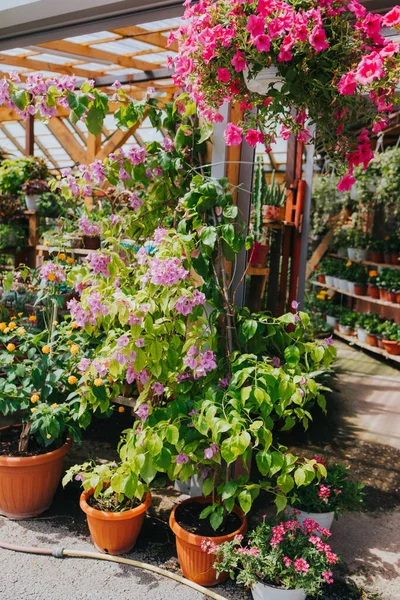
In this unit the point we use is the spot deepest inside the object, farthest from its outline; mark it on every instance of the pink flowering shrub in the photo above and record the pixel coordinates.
(330, 58)
(283, 554)
(334, 493)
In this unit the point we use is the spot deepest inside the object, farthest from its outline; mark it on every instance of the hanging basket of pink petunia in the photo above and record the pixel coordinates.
(289, 64)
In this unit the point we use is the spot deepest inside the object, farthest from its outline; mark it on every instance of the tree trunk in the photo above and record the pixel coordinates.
(24, 437)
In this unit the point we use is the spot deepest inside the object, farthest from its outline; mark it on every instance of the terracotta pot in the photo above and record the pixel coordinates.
(376, 257)
(380, 342)
(258, 254)
(391, 347)
(387, 258)
(373, 292)
(321, 278)
(395, 259)
(383, 294)
(360, 290)
(398, 297)
(197, 565)
(91, 243)
(372, 340)
(391, 296)
(114, 532)
(28, 483)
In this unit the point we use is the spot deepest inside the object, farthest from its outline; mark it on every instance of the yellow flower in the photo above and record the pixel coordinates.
(121, 409)
(20, 314)
(54, 405)
(10, 347)
(46, 349)
(35, 398)
(3, 326)
(74, 325)
(21, 331)
(48, 436)
(13, 318)
(62, 256)
(70, 260)
(46, 243)
(348, 264)
(33, 318)
(33, 409)
(51, 277)
(98, 382)
(74, 349)
(12, 325)
(7, 329)
(72, 380)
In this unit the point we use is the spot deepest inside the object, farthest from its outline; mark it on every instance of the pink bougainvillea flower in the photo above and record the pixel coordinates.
(182, 459)
(233, 135)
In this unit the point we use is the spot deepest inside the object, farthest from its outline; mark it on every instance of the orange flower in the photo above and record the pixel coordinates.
(72, 380)
(98, 382)
(48, 436)
(121, 409)
(74, 325)
(35, 398)
(51, 277)
(3, 326)
(74, 349)
(62, 256)
(12, 325)
(33, 318)
(46, 349)
(70, 260)
(10, 347)
(54, 405)
(373, 273)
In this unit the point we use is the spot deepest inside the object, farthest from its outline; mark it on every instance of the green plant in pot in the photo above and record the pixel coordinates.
(274, 197)
(279, 560)
(330, 497)
(347, 321)
(39, 382)
(115, 502)
(376, 250)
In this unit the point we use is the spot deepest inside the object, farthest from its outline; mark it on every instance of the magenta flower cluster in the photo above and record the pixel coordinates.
(88, 227)
(52, 272)
(99, 263)
(199, 362)
(185, 305)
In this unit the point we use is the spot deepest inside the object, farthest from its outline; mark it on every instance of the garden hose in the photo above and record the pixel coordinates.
(61, 553)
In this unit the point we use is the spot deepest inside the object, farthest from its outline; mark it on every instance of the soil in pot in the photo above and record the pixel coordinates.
(196, 564)
(9, 438)
(28, 482)
(114, 532)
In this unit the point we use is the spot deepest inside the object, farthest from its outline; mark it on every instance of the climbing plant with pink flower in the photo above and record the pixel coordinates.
(330, 64)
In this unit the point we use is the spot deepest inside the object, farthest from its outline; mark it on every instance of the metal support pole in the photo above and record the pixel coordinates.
(30, 136)
(305, 230)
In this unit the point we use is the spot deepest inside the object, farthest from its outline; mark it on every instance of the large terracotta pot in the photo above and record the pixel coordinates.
(196, 564)
(391, 296)
(28, 483)
(379, 341)
(114, 532)
(391, 347)
(360, 290)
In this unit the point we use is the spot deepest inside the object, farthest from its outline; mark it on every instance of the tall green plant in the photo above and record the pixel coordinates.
(258, 195)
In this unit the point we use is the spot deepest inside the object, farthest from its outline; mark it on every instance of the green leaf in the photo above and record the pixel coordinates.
(208, 236)
(248, 329)
(263, 460)
(229, 490)
(277, 461)
(154, 444)
(207, 487)
(216, 519)
(299, 476)
(206, 130)
(245, 501)
(292, 355)
(172, 434)
(285, 482)
(281, 502)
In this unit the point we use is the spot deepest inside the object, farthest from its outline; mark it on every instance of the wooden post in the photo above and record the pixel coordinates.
(30, 136)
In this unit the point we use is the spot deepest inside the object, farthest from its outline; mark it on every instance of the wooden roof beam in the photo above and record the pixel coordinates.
(91, 53)
(155, 38)
(67, 140)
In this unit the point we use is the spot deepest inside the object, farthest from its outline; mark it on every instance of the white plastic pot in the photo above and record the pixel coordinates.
(332, 321)
(361, 254)
(324, 520)
(31, 201)
(362, 334)
(336, 282)
(343, 285)
(262, 82)
(352, 253)
(345, 329)
(270, 592)
(350, 287)
(329, 280)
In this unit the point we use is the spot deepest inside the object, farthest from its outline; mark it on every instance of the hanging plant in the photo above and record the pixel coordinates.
(296, 62)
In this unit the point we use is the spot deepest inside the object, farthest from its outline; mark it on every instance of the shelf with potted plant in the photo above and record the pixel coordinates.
(365, 262)
(356, 296)
(376, 350)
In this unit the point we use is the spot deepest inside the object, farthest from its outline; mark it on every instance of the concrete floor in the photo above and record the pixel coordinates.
(366, 411)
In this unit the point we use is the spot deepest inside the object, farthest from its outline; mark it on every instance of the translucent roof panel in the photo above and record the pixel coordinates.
(165, 24)
(91, 38)
(124, 46)
(53, 58)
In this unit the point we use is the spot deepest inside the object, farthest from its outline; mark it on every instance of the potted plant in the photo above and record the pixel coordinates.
(340, 244)
(376, 249)
(373, 289)
(274, 197)
(329, 498)
(282, 560)
(33, 188)
(360, 279)
(91, 232)
(358, 242)
(115, 517)
(333, 312)
(347, 322)
(361, 331)
(38, 382)
(372, 326)
(252, 42)
(390, 334)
